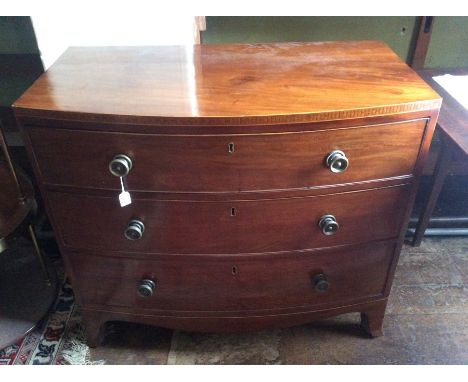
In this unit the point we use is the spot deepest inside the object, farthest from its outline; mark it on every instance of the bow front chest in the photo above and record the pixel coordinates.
(229, 187)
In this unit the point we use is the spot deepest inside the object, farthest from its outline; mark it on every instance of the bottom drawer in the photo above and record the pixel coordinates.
(234, 283)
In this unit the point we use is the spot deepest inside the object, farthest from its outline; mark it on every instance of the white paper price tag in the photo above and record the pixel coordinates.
(124, 197)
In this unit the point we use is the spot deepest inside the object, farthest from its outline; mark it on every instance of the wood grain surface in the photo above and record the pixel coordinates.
(226, 163)
(229, 84)
(228, 144)
(258, 282)
(188, 227)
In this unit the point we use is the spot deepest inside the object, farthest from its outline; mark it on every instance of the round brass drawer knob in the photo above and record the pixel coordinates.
(146, 288)
(336, 161)
(320, 282)
(134, 230)
(328, 225)
(120, 165)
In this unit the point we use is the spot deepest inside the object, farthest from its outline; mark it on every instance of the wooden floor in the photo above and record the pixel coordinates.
(426, 323)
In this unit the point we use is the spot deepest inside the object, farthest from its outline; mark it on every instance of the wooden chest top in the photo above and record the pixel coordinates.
(228, 84)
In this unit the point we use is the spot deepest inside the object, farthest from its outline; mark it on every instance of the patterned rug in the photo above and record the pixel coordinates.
(58, 340)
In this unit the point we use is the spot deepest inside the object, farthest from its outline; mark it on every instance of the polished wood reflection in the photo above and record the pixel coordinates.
(245, 83)
(229, 177)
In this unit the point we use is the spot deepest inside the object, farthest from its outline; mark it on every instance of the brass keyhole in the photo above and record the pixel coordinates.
(231, 148)
(233, 211)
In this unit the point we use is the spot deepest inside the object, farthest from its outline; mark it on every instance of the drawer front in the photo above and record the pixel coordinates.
(226, 163)
(194, 227)
(229, 283)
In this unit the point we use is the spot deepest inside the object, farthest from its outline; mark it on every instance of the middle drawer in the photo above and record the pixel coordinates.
(228, 227)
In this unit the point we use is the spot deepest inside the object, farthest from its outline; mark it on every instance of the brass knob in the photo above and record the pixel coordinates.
(336, 161)
(120, 165)
(146, 288)
(134, 230)
(320, 282)
(328, 225)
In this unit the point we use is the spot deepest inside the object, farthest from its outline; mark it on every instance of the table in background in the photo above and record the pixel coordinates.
(453, 155)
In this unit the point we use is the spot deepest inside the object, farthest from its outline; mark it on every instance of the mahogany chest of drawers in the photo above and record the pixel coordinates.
(270, 184)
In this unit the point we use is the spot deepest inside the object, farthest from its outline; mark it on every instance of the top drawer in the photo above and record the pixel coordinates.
(226, 163)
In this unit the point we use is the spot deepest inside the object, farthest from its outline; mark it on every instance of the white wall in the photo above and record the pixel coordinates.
(55, 34)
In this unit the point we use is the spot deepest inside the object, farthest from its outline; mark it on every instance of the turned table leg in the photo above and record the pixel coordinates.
(92, 322)
(372, 319)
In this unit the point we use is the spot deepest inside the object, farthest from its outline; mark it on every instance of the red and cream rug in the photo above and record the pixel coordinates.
(58, 340)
